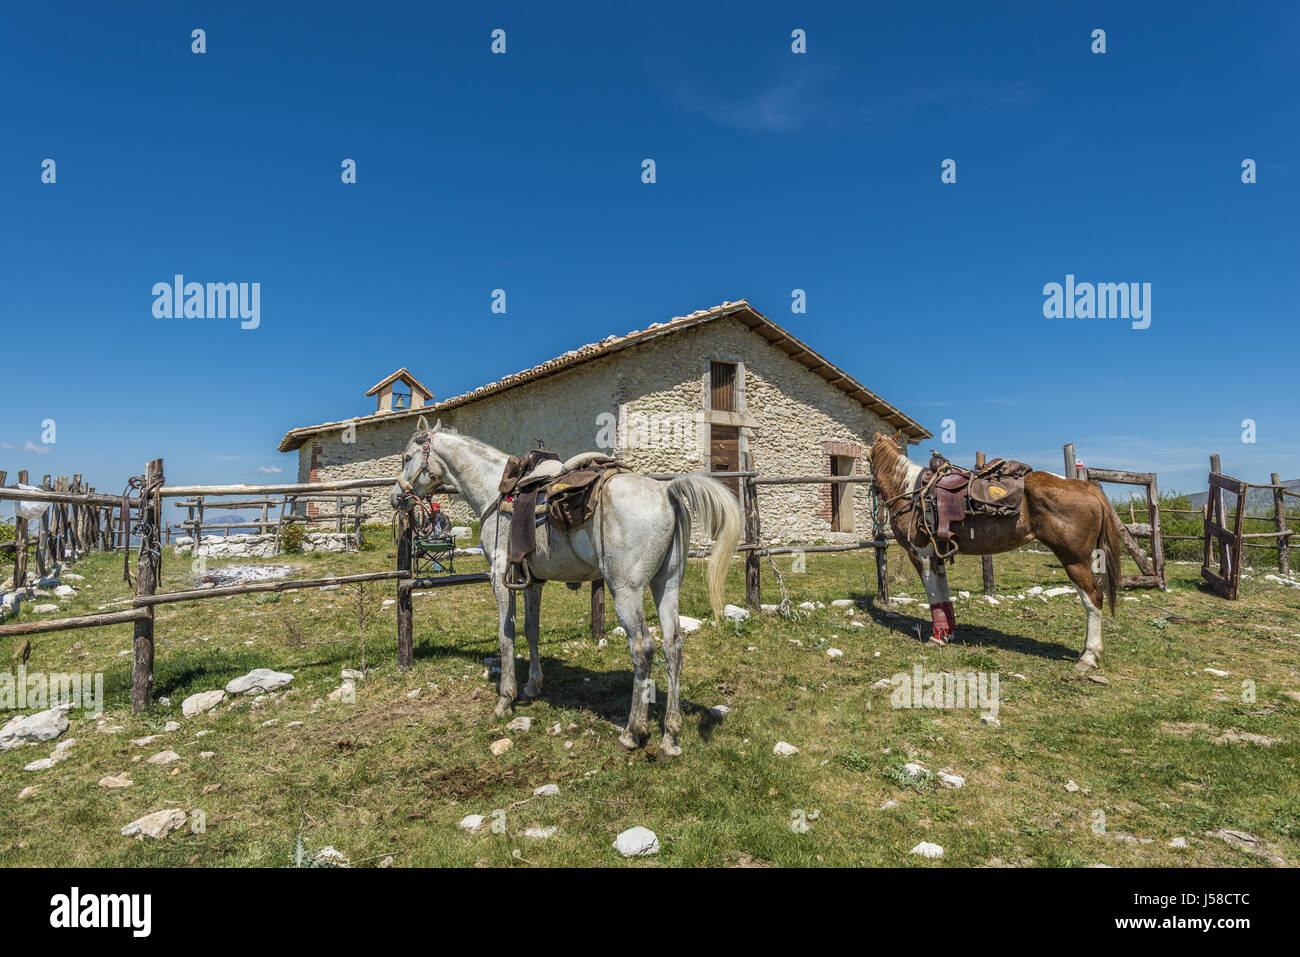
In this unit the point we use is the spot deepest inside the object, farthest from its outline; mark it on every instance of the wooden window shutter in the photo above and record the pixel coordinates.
(722, 377)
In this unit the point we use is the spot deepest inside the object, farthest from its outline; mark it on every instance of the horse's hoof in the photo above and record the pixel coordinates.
(668, 749)
(504, 707)
(629, 740)
(1086, 663)
(532, 690)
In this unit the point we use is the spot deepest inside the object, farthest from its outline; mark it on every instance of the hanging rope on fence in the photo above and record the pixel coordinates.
(143, 527)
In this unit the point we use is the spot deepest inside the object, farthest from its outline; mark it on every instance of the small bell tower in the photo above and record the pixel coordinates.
(400, 392)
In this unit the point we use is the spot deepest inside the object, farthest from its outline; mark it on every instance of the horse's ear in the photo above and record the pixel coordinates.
(438, 426)
(422, 424)
(900, 439)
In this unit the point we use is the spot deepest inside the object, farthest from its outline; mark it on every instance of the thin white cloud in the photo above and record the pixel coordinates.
(30, 446)
(270, 469)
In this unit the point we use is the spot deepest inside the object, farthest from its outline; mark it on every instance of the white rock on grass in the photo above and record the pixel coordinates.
(926, 849)
(953, 781)
(1178, 842)
(689, 624)
(719, 711)
(637, 842)
(554, 730)
(332, 857)
(41, 726)
(165, 757)
(546, 790)
(155, 825)
(65, 591)
(1216, 672)
(471, 822)
(539, 833)
(500, 747)
(201, 702)
(990, 720)
(834, 653)
(122, 780)
(262, 680)
(735, 613)
(784, 749)
(521, 724)
(1058, 592)
(45, 609)
(172, 726)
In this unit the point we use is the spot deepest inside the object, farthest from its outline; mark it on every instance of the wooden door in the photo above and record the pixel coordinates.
(724, 453)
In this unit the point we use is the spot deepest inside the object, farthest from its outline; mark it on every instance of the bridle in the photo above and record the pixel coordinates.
(408, 487)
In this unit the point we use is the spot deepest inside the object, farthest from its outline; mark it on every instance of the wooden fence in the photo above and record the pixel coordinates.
(1228, 540)
(141, 518)
(347, 510)
(1151, 566)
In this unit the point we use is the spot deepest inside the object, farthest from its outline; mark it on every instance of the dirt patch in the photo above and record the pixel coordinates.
(1184, 729)
(459, 783)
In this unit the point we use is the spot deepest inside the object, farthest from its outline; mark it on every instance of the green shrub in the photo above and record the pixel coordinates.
(291, 537)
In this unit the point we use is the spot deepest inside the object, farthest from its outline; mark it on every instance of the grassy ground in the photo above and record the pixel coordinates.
(1155, 752)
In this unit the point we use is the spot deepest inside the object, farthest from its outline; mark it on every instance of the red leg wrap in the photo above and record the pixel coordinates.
(945, 620)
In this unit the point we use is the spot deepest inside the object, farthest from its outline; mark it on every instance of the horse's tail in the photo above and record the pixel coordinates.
(719, 514)
(1109, 541)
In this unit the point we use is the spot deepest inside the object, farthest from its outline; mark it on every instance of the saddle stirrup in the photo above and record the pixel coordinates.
(512, 579)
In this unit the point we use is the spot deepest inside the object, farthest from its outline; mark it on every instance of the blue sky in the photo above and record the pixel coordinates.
(775, 171)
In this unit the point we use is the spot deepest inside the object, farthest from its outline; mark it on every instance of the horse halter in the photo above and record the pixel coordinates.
(408, 487)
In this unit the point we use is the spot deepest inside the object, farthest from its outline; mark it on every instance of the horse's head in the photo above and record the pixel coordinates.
(422, 469)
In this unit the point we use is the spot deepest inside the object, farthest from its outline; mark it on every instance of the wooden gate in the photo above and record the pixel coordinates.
(1152, 566)
(1227, 578)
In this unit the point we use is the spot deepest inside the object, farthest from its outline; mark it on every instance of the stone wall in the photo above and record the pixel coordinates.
(262, 546)
(792, 422)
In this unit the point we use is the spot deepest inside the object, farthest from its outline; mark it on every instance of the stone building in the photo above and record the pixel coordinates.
(723, 389)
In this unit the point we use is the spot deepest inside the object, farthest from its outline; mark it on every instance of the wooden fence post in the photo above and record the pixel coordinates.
(405, 617)
(986, 561)
(1215, 466)
(146, 583)
(1071, 470)
(1157, 539)
(753, 536)
(1279, 522)
(882, 573)
(20, 543)
(597, 609)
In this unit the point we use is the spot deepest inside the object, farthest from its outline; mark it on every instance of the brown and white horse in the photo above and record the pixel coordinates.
(1070, 516)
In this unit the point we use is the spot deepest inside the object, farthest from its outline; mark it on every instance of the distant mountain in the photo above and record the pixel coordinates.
(1257, 499)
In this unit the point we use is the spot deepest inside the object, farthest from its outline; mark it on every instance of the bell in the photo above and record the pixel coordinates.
(399, 401)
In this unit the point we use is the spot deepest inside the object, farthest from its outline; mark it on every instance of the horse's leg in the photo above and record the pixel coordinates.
(532, 627)
(935, 579)
(631, 615)
(665, 587)
(506, 635)
(1090, 594)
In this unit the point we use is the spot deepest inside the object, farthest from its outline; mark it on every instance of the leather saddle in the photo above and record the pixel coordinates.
(950, 493)
(539, 489)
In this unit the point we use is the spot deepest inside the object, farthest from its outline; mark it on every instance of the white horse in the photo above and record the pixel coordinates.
(640, 535)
